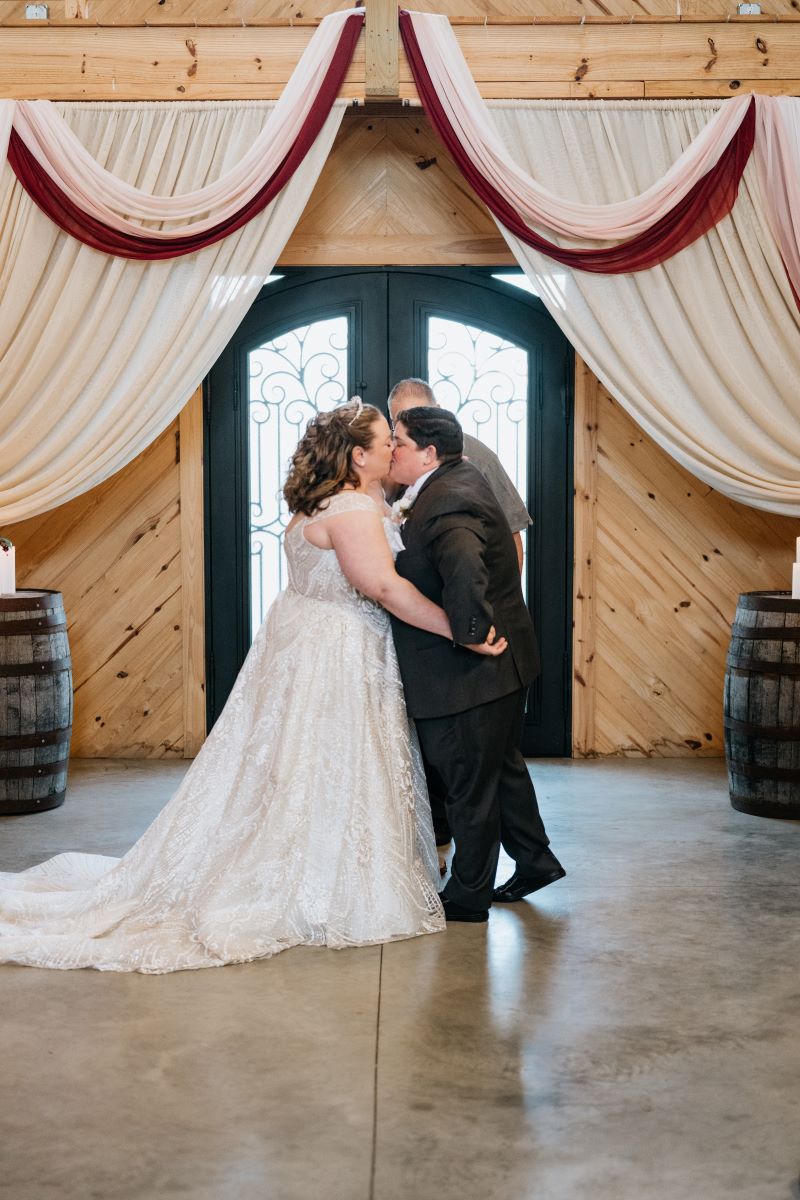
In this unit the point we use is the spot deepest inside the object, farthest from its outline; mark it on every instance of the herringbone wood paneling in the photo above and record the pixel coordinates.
(670, 559)
(391, 194)
(115, 554)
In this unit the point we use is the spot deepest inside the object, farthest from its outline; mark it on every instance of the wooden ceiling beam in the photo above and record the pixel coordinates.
(271, 13)
(382, 78)
(514, 62)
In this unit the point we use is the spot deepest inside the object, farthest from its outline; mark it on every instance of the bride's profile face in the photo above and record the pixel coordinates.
(375, 461)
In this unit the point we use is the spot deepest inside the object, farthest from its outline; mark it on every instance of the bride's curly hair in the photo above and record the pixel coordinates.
(322, 463)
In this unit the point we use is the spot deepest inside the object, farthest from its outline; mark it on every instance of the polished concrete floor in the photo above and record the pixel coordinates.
(632, 1032)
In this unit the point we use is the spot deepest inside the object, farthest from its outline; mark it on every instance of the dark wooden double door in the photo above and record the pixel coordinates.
(313, 338)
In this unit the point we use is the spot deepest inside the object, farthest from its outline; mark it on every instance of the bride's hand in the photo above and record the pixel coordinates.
(490, 648)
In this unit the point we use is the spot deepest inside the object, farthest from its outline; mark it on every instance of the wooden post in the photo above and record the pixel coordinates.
(382, 81)
(192, 582)
(585, 516)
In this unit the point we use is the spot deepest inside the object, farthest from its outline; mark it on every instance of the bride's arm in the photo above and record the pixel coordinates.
(366, 560)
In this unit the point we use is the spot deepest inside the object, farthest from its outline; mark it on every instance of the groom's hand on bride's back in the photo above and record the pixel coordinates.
(492, 647)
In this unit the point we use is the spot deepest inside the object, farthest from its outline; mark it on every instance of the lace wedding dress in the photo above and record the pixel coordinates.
(303, 820)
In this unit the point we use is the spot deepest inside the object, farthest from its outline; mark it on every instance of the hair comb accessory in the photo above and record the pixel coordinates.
(359, 403)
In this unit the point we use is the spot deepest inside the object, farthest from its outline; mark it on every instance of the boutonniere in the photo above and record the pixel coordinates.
(400, 510)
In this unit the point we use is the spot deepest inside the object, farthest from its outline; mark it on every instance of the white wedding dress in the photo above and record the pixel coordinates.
(303, 820)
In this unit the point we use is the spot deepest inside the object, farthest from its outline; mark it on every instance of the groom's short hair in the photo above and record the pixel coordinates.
(434, 427)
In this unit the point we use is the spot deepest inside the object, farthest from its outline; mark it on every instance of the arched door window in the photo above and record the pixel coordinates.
(290, 379)
(492, 355)
(483, 379)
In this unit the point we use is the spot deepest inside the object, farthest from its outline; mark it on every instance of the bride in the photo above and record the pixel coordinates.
(304, 818)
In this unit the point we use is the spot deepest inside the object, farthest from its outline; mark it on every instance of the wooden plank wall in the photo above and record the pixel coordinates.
(115, 554)
(254, 13)
(656, 576)
(390, 193)
(633, 59)
(127, 557)
(669, 558)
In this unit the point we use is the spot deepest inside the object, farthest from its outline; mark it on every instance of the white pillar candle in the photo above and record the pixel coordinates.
(7, 571)
(796, 581)
(797, 551)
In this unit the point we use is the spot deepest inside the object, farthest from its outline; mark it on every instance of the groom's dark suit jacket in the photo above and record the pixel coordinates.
(459, 552)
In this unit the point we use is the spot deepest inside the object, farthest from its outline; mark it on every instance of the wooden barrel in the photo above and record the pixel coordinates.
(762, 705)
(35, 701)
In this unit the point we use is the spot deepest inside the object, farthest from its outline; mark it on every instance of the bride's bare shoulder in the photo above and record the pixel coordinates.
(344, 502)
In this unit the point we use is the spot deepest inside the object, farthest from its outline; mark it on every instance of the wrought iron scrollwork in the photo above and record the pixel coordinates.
(290, 379)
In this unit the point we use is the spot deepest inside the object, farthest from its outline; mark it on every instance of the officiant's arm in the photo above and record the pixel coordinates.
(365, 559)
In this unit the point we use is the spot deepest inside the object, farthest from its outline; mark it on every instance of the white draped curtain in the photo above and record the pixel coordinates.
(703, 350)
(98, 354)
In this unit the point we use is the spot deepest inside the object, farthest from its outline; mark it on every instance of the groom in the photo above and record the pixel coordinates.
(468, 710)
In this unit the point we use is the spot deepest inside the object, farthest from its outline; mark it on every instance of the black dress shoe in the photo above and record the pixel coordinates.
(520, 885)
(457, 912)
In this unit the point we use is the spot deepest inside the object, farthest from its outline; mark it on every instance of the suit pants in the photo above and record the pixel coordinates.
(488, 794)
(437, 795)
